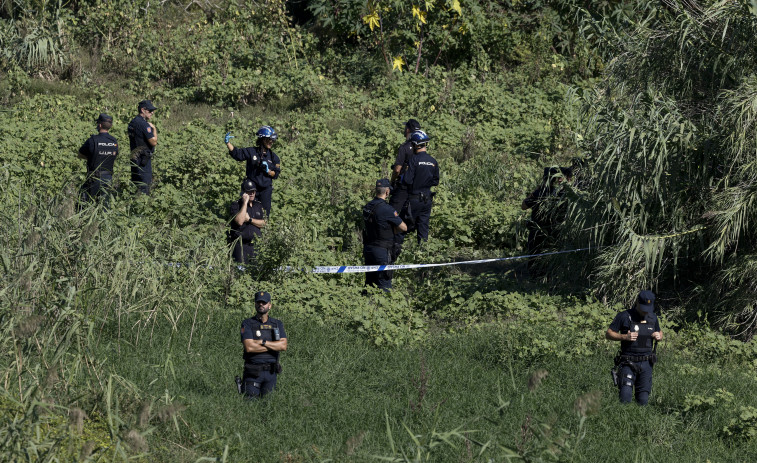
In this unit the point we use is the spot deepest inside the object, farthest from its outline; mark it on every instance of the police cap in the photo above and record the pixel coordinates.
(412, 125)
(262, 296)
(104, 118)
(248, 185)
(646, 301)
(383, 183)
(147, 104)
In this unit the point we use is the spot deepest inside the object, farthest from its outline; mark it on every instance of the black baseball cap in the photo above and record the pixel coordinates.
(262, 296)
(104, 118)
(383, 183)
(412, 125)
(646, 301)
(147, 104)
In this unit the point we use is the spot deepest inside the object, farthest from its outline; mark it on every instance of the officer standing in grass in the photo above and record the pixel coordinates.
(404, 154)
(381, 224)
(248, 219)
(263, 339)
(422, 173)
(143, 138)
(100, 151)
(637, 329)
(263, 165)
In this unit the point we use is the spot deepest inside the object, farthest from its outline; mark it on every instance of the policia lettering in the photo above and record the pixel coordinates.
(100, 151)
(263, 339)
(638, 331)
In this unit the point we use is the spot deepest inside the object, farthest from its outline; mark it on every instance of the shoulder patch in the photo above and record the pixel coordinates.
(149, 129)
(395, 214)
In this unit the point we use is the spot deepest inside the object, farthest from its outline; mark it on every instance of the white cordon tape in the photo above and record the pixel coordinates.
(381, 268)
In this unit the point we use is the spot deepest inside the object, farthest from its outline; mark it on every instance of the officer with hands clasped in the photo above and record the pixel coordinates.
(143, 138)
(404, 154)
(422, 173)
(381, 224)
(100, 151)
(263, 165)
(246, 223)
(637, 329)
(263, 339)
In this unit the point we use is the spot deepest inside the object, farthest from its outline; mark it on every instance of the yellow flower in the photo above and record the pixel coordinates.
(398, 63)
(372, 20)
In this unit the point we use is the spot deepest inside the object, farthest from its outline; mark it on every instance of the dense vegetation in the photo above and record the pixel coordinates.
(110, 353)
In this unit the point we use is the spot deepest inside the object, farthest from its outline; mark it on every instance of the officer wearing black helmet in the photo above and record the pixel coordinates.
(100, 151)
(381, 224)
(143, 138)
(422, 173)
(263, 339)
(404, 154)
(246, 223)
(637, 329)
(263, 165)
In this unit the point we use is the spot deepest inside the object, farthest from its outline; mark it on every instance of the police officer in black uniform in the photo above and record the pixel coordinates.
(263, 339)
(381, 224)
(399, 190)
(637, 329)
(263, 165)
(422, 173)
(100, 151)
(247, 220)
(543, 218)
(143, 138)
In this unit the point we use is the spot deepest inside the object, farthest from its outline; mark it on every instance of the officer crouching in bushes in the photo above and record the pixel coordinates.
(381, 222)
(637, 329)
(263, 339)
(247, 220)
(100, 151)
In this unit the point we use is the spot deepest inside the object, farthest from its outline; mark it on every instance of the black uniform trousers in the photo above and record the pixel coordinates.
(97, 186)
(243, 252)
(376, 255)
(264, 196)
(421, 211)
(141, 176)
(639, 380)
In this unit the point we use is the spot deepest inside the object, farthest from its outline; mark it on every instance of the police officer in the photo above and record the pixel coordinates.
(399, 190)
(263, 339)
(100, 151)
(263, 165)
(143, 138)
(637, 329)
(543, 219)
(381, 224)
(422, 173)
(247, 220)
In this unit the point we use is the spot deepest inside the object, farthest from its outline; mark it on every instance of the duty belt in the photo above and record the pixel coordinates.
(636, 358)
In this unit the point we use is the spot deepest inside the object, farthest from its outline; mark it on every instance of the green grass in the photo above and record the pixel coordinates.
(337, 387)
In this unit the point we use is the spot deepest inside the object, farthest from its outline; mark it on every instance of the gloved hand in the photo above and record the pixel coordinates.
(265, 164)
(228, 137)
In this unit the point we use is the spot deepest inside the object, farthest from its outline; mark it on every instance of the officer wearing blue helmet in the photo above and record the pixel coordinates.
(381, 223)
(100, 151)
(263, 165)
(263, 339)
(638, 330)
(247, 221)
(422, 173)
(143, 138)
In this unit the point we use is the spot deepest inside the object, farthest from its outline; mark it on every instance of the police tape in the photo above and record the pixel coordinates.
(381, 268)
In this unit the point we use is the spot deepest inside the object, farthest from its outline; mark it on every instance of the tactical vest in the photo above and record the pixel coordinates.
(644, 342)
(374, 235)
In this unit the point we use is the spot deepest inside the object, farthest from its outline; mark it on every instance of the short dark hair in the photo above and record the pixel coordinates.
(380, 190)
(107, 125)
